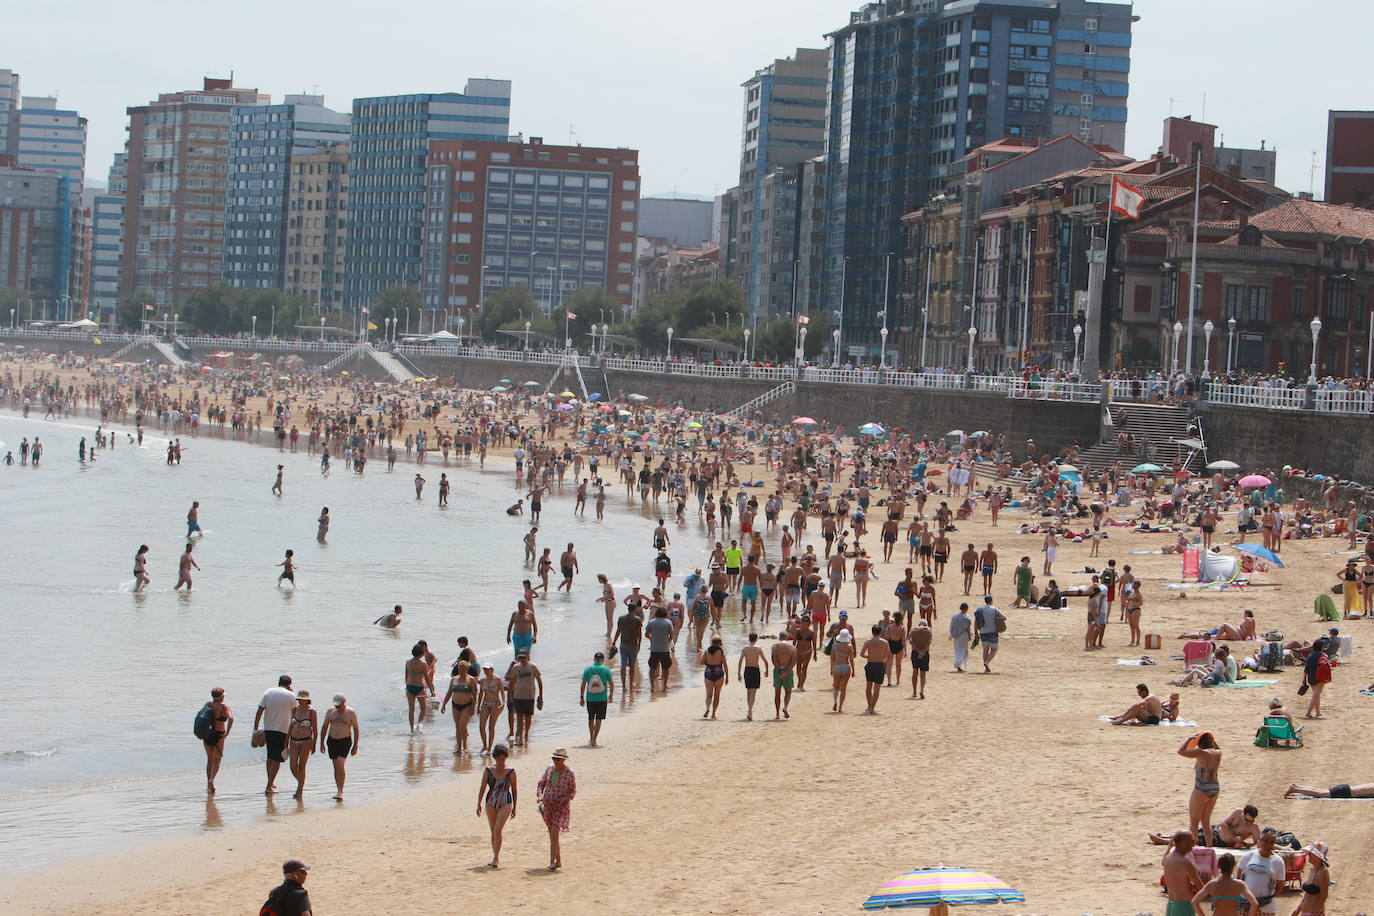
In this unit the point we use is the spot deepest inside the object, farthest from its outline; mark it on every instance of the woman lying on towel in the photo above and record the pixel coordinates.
(1244, 631)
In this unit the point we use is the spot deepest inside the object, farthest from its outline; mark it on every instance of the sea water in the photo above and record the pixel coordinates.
(99, 686)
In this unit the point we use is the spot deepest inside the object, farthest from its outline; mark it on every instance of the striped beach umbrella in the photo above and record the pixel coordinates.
(942, 887)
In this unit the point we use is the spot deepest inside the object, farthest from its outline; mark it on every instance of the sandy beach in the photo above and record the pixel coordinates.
(1010, 773)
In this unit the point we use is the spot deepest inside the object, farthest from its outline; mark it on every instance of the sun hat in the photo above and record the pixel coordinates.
(844, 636)
(1319, 850)
(560, 753)
(303, 695)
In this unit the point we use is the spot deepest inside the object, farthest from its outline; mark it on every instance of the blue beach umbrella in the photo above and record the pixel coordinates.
(1264, 553)
(943, 887)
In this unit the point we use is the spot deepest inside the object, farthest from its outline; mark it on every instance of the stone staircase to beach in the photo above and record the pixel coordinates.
(1168, 434)
(390, 364)
(768, 397)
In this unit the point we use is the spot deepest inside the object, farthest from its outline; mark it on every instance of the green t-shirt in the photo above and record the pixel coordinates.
(593, 674)
(733, 556)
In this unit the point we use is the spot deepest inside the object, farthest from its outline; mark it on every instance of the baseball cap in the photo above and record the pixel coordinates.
(339, 700)
(291, 865)
(844, 613)
(522, 653)
(599, 655)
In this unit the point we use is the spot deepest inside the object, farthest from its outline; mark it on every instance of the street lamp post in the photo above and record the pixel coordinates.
(801, 345)
(835, 336)
(1077, 336)
(882, 333)
(1178, 342)
(925, 312)
(1231, 343)
(972, 336)
(527, 336)
(321, 327)
(386, 328)
(840, 314)
(1207, 328)
(1316, 327)
(746, 345)
(670, 346)
(255, 325)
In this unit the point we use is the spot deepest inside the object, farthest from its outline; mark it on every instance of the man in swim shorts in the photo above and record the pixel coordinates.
(1181, 880)
(784, 667)
(876, 652)
(274, 717)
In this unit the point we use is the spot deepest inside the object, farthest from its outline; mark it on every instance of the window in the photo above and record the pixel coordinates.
(548, 179)
(1338, 299)
(1299, 305)
(1090, 24)
(1089, 48)
(1235, 298)
(629, 184)
(1086, 101)
(627, 205)
(498, 176)
(1259, 305)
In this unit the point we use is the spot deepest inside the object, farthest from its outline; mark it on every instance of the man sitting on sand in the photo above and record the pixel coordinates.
(1238, 830)
(1149, 711)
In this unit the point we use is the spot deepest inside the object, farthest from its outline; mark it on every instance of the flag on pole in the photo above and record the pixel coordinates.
(572, 316)
(147, 306)
(1126, 200)
(365, 311)
(371, 326)
(803, 319)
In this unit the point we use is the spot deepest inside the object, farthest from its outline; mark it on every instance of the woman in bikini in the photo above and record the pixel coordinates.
(221, 720)
(1225, 892)
(462, 691)
(489, 704)
(304, 733)
(717, 675)
(1203, 750)
(841, 668)
(499, 794)
(768, 584)
(862, 567)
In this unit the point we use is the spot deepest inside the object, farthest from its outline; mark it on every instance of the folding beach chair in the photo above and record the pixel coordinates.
(1278, 732)
(1197, 652)
(1190, 565)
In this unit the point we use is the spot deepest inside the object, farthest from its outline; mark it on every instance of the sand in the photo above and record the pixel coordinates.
(1010, 773)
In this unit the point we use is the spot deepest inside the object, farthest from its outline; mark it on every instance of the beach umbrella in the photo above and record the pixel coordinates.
(679, 410)
(604, 407)
(1264, 553)
(638, 397)
(1255, 480)
(1070, 476)
(1223, 465)
(872, 429)
(943, 887)
(1147, 469)
(594, 396)
(693, 424)
(955, 432)
(531, 384)
(803, 421)
(506, 381)
(1191, 443)
(565, 407)
(1068, 467)
(499, 389)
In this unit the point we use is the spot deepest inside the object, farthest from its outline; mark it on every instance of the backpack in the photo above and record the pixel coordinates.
(204, 723)
(594, 684)
(1323, 675)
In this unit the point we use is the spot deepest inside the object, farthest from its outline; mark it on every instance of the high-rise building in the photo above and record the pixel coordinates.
(38, 238)
(52, 138)
(1349, 157)
(9, 113)
(389, 146)
(265, 143)
(107, 238)
(783, 125)
(317, 201)
(178, 172)
(916, 84)
(682, 220)
(553, 218)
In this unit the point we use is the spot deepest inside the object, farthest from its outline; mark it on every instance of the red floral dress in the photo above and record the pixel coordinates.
(556, 790)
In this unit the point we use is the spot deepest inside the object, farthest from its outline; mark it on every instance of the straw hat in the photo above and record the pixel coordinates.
(560, 753)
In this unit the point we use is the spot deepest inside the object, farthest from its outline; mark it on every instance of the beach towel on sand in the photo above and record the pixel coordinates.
(1181, 723)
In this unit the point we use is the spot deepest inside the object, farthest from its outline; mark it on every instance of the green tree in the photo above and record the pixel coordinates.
(17, 299)
(507, 307)
(130, 311)
(393, 302)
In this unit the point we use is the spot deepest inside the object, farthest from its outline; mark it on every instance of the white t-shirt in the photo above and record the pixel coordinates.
(276, 709)
(1262, 876)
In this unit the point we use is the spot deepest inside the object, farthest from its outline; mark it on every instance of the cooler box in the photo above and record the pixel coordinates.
(1153, 641)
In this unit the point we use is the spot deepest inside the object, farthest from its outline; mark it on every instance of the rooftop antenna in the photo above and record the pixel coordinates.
(572, 133)
(1312, 177)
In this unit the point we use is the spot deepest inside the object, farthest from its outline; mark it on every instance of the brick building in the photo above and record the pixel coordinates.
(1350, 158)
(553, 218)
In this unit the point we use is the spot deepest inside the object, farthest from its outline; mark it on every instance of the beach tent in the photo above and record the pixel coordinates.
(1214, 567)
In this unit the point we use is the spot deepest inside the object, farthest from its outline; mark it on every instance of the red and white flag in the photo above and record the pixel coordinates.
(1126, 200)
(365, 311)
(147, 306)
(572, 316)
(803, 319)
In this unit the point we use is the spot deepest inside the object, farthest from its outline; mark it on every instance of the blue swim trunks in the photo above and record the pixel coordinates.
(749, 593)
(522, 640)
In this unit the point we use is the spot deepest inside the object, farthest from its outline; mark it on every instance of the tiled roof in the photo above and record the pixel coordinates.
(1308, 217)
(1161, 192)
(1265, 241)
(1149, 230)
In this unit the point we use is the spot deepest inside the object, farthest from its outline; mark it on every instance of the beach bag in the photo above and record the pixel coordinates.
(259, 738)
(203, 727)
(1323, 675)
(1001, 622)
(1262, 737)
(829, 646)
(594, 684)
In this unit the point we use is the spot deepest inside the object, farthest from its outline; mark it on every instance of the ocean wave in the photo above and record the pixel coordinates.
(38, 754)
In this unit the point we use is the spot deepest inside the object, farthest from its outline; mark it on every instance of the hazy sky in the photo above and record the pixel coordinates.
(658, 77)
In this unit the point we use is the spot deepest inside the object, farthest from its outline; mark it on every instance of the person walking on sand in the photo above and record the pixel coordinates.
(491, 700)
(184, 570)
(989, 622)
(598, 686)
(1050, 546)
(784, 674)
(462, 691)
(339, 736)
(960, 629)
(920, 638)
(274, 716)
(876, 651)
(716, 673)
(499, 794)
(276, 485)
(527, 695)
(1202, 749)
(751, 668)
(555, 792)
(221, 721)
(303, 733)
(841, 669)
